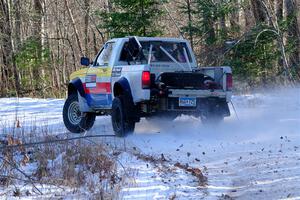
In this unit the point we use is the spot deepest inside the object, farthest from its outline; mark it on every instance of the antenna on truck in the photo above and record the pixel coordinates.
(173, 20)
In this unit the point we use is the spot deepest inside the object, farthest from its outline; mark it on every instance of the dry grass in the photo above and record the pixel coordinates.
(78, 165)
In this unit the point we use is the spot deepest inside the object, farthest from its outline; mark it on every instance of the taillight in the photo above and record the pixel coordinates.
(146, 80)
(229, 81)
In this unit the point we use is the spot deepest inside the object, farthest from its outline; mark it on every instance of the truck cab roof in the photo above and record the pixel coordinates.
(164, 39)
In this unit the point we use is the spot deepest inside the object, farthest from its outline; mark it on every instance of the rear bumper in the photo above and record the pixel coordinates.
(203, 103)
(171, 104)
(196, 93)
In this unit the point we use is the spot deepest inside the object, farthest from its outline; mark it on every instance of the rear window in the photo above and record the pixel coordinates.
(161, 52)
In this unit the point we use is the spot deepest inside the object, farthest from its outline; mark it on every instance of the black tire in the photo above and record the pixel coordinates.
(121, 125)
(211, 119)
(211, 116)
(162, 117)
(74, 120)
(213, 113)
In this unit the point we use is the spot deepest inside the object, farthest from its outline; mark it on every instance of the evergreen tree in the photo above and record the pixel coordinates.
(187, 7)
(132, 17)
(211, 19)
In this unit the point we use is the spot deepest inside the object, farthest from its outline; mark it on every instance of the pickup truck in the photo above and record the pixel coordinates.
(135, 77)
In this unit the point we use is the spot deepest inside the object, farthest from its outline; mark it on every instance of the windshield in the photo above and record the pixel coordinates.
(160, 52)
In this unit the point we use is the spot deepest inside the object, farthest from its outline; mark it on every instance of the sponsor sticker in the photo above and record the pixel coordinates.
(116, 72)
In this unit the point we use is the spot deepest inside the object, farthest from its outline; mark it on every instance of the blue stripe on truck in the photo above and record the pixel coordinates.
(99, 100)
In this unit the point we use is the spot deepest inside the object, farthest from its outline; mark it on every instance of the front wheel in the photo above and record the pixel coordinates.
(121, 126)
(74, 120)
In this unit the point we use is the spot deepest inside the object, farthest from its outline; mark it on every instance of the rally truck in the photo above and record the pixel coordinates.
(136, 77)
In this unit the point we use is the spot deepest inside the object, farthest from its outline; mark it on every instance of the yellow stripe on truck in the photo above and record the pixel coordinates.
(78, 74)
(99, 71)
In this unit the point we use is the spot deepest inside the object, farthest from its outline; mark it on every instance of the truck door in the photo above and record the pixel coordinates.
(98, 79)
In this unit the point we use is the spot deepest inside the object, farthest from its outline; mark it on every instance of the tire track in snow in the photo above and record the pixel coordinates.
(160, 182)
(259, 175)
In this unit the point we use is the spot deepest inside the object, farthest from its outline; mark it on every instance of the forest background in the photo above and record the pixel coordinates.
(41, 41)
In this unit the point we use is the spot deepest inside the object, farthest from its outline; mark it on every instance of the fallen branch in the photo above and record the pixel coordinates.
(27, 176)
(52, 141)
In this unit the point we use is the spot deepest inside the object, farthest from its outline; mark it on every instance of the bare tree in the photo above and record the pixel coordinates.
(8, 50)
(86, 25)
(74, 26)
(37, 30)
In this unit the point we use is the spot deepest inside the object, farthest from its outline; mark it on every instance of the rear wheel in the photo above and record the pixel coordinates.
(122, 126)
(74, 120)
(162, 117)
(211, 119)
(212, 116)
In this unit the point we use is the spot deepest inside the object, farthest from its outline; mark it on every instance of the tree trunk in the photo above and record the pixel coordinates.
(279, 9)
(142, 16)
(36, 30)
(279, 17)
(74, 26)
(234, 17)
(293, 33)
(86, 26)
(298, 25)
(223, 26)
(108, 9)
(17, 8)
(248, 17)
(37, 24)
(17, 43)
(189, 11)
(8, 44)
(95, 43)
(298, 14)
(258, 11)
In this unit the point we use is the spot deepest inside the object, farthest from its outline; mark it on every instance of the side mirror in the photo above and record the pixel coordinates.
(85, 61)
(134, 47)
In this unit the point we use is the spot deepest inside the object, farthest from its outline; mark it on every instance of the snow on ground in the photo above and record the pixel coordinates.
(33, 114)
(254, 156)
(257, 156)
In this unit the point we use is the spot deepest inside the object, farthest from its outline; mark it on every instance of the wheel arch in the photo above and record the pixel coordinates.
(75, 86)
(122, 87)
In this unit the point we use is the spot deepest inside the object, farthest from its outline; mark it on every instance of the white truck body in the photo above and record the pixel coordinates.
(133, 72)
(169, 68)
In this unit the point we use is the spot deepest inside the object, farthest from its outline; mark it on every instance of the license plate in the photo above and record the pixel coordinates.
(187, 102)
